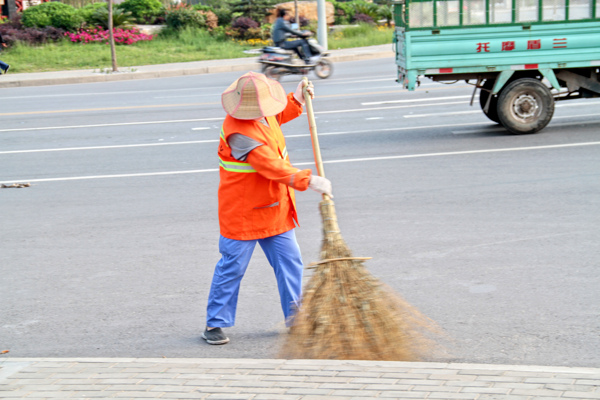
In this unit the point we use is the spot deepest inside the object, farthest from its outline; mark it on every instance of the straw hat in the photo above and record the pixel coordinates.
(253, 96)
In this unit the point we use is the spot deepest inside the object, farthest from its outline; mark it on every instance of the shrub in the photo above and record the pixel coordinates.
(361, 7)
(120, 18)
(54, 14)
(32, 36)
(243, 24)
(256, 10)
(182, 16)
(201, 7)
(36, 17)
(223, 15)
(343, 12)
(212, 21)
(88, 10)
(144, 11)
(387, 13)
(244, 28)
(363, 18)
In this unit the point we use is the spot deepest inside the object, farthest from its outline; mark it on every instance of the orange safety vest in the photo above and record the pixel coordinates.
(256, 197)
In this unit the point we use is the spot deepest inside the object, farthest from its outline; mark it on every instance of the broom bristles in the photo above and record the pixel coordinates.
(347, 314)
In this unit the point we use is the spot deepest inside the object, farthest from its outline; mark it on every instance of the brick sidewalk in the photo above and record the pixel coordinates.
(81, 378)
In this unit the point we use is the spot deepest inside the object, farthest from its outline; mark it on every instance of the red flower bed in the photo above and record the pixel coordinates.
(122, 36)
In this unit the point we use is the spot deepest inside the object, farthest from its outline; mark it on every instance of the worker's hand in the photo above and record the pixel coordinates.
(320, 184)
(299, 94)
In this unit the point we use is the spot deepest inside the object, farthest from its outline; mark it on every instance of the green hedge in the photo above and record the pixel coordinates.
(54, 14)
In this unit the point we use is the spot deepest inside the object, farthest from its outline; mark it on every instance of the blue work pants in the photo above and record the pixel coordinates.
(283, 253)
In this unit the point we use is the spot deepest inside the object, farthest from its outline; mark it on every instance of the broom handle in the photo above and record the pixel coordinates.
(313, 130)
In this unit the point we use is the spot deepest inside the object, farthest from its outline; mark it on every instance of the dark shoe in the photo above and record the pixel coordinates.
(6, 70)
(215, 336)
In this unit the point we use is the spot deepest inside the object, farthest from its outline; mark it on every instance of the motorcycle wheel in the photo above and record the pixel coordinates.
(324, 68)
(271, 72)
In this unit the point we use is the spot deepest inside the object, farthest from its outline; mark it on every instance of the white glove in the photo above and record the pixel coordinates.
(320, 184)
(299, 94)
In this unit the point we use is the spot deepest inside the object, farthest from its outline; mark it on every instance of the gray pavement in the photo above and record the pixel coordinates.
(170, 70)
(252, 379)
(193, 378)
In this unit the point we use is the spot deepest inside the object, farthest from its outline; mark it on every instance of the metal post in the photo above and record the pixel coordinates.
(322, 23)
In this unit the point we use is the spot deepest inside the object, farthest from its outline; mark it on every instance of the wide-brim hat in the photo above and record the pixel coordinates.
(253, 96)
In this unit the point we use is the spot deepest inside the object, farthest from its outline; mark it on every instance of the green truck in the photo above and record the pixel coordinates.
(522, 55)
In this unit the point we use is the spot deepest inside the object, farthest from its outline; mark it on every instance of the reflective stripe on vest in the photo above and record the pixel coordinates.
(284, 153)
(236, 166)
(223, 137)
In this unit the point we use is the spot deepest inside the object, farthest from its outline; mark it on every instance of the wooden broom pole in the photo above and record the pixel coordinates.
(313, 129)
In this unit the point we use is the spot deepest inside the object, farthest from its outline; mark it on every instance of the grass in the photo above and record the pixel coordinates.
(187, 45)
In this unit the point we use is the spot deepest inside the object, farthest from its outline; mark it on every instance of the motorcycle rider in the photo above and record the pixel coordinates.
(282, 30)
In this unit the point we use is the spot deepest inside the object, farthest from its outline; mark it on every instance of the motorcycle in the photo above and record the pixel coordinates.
(277, 62)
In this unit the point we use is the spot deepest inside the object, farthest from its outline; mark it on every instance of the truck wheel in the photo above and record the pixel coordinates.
(525, 105)
(484, 93)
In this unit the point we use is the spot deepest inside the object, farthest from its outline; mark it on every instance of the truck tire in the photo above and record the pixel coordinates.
(484, 93)
(525, 105)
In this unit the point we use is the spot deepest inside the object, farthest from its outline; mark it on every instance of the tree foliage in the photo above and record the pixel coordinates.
(256, 10)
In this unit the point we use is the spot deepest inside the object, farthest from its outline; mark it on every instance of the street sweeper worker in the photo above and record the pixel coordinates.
(256, 196)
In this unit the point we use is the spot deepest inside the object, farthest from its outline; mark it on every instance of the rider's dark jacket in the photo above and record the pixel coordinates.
(281, 30)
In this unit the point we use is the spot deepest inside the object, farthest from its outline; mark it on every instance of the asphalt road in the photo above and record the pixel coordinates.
(111, 250)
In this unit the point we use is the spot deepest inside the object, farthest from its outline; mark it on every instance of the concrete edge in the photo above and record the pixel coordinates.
(168, 71)
(299, 363)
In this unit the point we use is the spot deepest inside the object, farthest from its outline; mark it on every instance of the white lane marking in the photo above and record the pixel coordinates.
(489, 127)
(348, 160)
(374, 103)
(442, 113)
(122, 146)
(43, 128)
(191, 120)
(216, 140)
(499, 128)
(372, 118)
(576, 103)
(388, 108)
(454, 153)
(215, 95)
(37, 96)
(79, 178)
(201, 128)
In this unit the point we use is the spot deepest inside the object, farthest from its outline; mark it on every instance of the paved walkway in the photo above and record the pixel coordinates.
(177, 69)
(253, 379)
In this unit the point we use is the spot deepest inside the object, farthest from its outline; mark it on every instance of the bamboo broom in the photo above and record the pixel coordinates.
(346, 313)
